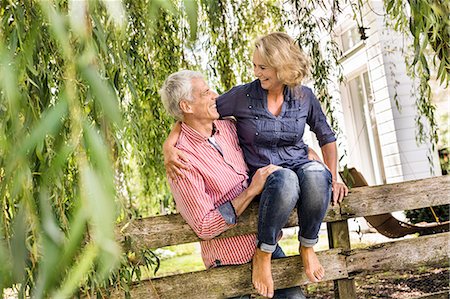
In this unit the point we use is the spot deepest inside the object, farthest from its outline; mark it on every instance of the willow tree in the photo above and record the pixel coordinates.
(68, 71)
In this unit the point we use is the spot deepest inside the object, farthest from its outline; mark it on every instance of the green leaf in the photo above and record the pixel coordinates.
(98, 152)
(57, 23)
(191, 7)
(99, 197)
(49, 124)
(18, 245)
(117, 12)
(8, 80)
(51, 265)
(103, 93)
(77, 274)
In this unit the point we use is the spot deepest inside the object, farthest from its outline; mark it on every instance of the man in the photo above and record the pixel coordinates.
(213, 192)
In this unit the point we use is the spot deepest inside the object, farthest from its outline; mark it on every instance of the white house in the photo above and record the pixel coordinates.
(379, 138)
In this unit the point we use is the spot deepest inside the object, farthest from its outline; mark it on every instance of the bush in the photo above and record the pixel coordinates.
(426, 215)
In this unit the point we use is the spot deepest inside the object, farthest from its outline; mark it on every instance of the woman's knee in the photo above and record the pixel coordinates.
(316, 172)
(285, 179)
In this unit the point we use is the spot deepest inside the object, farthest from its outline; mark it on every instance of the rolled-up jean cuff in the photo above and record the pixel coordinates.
(307, 242)
(266, 247)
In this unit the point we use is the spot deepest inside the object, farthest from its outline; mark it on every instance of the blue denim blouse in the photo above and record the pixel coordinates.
(268, 139)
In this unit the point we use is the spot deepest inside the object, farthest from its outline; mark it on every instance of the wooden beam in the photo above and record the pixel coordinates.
(400, 255)
(287, 272)
(339, 237)
(236, 280)
(438, 295)
(160, 231)
(368, 201)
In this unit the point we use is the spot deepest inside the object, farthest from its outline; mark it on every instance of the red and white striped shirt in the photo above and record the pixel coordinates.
(207, 189)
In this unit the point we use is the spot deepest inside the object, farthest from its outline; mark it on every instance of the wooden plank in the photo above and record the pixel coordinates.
(287, 272)
(236, 280)
(160, 231)
(368, 201)
(438, 295)
(339, 237)
(400, 255)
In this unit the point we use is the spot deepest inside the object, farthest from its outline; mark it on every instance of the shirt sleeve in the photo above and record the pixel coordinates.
(197, 207)
(318, 122)
(226, 103)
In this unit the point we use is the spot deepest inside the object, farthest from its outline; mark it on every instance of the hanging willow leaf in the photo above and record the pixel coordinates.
(49, 124)
(77, 273)
(191, 7)
(100, 198)
(103, 93)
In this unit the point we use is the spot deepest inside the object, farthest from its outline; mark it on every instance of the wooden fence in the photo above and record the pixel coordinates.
(341, 263)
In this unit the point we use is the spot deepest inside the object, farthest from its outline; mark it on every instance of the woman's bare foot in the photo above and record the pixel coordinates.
(262, 273)
(313, 269)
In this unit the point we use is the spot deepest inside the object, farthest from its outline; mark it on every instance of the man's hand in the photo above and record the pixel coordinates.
(260, 177)
(339, 191)
(174, 161)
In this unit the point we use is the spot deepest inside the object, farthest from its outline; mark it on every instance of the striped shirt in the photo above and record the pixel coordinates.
(203, 197)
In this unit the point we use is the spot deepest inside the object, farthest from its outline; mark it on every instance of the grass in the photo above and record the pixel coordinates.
(179, 259)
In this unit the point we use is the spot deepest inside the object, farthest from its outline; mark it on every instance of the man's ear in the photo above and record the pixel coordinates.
(185, 106)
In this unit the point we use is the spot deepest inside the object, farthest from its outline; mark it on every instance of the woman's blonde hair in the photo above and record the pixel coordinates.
(279, 51)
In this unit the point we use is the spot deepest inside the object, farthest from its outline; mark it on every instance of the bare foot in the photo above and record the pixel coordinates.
(262, 273)
(313, 268)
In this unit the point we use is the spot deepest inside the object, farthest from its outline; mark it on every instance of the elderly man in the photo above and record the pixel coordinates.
(214, 191)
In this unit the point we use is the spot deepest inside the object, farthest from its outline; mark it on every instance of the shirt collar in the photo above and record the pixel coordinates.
(192, 133)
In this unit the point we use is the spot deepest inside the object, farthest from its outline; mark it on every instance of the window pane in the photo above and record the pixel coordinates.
(350, 38)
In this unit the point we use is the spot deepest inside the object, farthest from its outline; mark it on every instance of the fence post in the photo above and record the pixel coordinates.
(339, 237)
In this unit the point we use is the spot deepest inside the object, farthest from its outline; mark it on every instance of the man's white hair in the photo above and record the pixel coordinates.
(177, 87)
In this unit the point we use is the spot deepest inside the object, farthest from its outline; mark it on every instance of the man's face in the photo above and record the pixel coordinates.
(204, 100)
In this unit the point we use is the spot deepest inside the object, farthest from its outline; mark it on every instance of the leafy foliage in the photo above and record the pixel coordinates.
(430, 215)
(427, 23)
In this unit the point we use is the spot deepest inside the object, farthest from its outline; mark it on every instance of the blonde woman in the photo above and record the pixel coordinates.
(271, 113)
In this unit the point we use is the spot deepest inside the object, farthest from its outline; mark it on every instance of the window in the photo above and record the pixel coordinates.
(365, 140)
(350, 38)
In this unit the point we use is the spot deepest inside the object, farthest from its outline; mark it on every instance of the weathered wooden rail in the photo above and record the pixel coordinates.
(340, 262)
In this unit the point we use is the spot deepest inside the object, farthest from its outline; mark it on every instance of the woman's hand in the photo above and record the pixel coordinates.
(174, 161)
(312, 155)
(339, 191)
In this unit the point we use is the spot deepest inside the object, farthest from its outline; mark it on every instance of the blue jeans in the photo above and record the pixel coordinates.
(289, 293)
(307, 188)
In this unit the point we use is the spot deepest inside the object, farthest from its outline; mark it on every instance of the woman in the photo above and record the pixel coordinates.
(271, 114)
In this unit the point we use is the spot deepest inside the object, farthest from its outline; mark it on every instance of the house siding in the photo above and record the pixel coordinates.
(383, 57)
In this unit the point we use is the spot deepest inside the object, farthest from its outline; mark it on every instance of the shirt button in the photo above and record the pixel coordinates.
(250, 107)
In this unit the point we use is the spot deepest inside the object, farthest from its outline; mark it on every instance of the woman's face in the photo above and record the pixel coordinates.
(266, 74)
